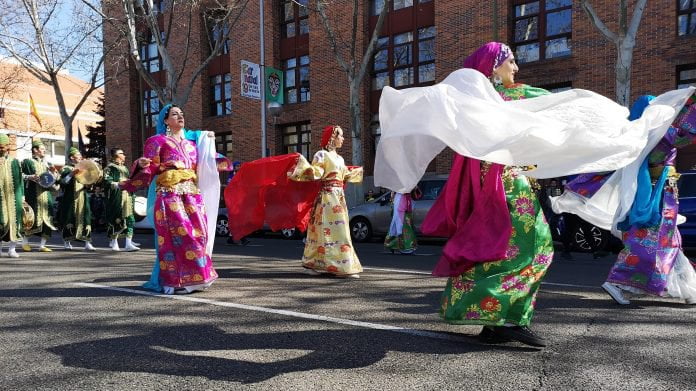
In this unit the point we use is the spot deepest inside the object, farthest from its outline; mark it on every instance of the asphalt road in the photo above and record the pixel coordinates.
(76, 320)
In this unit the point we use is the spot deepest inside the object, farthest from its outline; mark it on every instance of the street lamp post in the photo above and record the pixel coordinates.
(262, 76)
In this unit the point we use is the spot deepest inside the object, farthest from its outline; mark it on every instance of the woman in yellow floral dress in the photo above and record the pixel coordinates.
(328, 248)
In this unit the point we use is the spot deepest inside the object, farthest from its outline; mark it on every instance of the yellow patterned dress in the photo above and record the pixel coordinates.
(329, 248)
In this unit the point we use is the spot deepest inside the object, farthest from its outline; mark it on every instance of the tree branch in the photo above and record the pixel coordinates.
(331, 35)
(635, 19)
(370, 50)
(597, 22)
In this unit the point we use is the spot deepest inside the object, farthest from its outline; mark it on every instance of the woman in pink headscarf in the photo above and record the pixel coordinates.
(499, 244)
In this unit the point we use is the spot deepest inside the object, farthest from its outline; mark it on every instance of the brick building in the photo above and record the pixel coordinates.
(16, 121)
(421, 43)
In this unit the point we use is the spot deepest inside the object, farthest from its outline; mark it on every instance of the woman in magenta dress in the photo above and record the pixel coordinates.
(171, 160)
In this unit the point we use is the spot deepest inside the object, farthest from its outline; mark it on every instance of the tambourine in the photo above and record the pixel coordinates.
(89, 173)
(27, 216)
(46, 180)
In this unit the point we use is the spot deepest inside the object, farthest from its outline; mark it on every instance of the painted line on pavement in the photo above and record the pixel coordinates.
(302, 315)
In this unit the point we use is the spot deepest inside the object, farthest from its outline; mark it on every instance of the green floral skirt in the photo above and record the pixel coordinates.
(504, 291)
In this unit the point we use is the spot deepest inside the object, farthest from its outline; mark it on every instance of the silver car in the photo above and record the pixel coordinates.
(374, 217)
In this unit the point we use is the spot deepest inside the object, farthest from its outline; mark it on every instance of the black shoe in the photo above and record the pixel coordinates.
(230, 240)
(244, 241)
(521, 334)
(490, 335)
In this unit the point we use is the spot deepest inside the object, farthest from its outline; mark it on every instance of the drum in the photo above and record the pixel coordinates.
(90, 172)
(46, 180)
(140, 206)
(27, 216)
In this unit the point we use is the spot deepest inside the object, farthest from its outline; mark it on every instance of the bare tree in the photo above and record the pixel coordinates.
(624, 40)
(9, 83)
(353, 63)
(141, 20)
(49, 37)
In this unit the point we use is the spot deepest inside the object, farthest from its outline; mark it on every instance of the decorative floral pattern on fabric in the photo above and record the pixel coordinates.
(329, 247)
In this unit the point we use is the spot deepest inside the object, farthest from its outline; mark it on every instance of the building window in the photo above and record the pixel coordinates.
(298, 138)
(149, 55)
(297, 79)
(405, 59)
(2, 112)
(541, 29)
(223, 144)
(295, 18)
(151, 108)
(557, 87)
(686, 76)
(221, 94)
(376, 5)
(686, 17)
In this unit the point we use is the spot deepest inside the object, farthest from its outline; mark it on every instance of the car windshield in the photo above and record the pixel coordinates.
(431, 188)
(687, 185)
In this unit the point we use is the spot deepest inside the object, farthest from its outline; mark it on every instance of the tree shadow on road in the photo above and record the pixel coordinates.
(209, 352)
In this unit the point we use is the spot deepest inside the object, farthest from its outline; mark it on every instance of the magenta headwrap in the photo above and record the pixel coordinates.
(472, 212)
(488, 57)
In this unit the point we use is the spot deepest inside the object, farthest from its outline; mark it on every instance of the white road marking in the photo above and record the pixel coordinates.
(302, 315)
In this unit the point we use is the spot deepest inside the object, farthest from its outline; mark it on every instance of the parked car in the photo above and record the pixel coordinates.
(374, 217)
(687, 207)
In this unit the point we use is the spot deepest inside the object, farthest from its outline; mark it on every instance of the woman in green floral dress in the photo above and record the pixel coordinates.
(507, 233)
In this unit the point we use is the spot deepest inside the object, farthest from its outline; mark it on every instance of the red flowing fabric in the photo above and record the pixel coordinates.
(261, 192)
(472, 215)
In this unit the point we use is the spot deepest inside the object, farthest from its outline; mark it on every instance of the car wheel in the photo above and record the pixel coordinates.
(582, 239)
(288, 233)
(221, 227)
(360, 229)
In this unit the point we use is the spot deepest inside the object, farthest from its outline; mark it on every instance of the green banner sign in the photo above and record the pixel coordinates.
(274, 85)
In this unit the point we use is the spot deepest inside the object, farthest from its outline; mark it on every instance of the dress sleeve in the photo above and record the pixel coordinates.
(684, 127)
(305, 171)
(28, 168)
(109, 178)
(353, 174)
(223, 163)
(142, 177)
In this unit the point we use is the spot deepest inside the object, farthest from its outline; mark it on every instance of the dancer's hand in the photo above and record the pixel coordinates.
(143, 162)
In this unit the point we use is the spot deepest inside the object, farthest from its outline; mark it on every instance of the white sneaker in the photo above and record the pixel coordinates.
(12, 253)
(615, 293)
(353, 276)
(131, 247)
(168, 290)
(67, 245)
(114, 246)
(690, 300)
(89, 247)
(311, 272)
(136, 244)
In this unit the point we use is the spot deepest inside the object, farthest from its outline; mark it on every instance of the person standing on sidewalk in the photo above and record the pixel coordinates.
(38, 197)
(402, 232)
(119, 214)
(11, 198)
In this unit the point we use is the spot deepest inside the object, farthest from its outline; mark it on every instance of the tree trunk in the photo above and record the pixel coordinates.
(65, 118)
(356, 123)
(623, 71)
